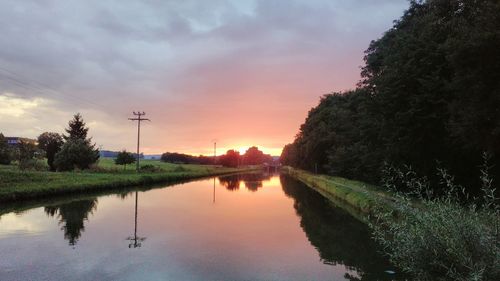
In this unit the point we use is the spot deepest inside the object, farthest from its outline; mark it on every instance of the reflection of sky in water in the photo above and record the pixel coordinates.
(243, 235)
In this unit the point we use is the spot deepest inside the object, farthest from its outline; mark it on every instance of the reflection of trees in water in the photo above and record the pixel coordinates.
(231, 182)
(72, 217)
(338, 237)
(124, 195)
(253, 181)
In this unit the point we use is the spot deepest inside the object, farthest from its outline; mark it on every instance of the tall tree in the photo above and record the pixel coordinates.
(76, 129)
(5, 151)
(77, 151)
(429, 94)
(230, 159)
(51, 143)
(253, 156)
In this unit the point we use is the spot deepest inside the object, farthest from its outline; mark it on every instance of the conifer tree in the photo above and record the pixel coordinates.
(77, 151)
(76, 129)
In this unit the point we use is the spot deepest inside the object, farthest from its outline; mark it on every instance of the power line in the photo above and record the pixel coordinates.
(34, 85)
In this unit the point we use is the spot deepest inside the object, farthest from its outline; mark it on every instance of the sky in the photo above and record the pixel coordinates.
(240, 73)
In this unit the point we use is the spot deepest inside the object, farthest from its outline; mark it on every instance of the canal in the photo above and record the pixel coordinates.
(239, 227)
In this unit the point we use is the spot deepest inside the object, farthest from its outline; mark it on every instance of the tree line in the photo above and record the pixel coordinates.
(232, 158)
(73, 150)
(429, 98)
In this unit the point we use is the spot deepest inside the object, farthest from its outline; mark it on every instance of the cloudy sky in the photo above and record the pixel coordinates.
(239, 72)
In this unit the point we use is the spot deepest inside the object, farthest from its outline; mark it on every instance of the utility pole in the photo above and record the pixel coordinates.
(138, 119)
(215, 152)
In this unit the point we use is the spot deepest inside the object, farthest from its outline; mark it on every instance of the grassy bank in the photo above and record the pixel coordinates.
(358, 198)
(16, 185)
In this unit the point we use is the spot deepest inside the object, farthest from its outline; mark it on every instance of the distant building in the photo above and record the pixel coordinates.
(153, 157)
(113, 154)
(108, 154)
(14, 141)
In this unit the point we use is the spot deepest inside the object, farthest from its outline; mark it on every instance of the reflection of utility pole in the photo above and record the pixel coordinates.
(214, 191)
(135, 241)
(138, 119)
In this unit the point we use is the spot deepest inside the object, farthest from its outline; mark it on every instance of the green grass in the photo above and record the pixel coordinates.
(358, 198)
(22, 185)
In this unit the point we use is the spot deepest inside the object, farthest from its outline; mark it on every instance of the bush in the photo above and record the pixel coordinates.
(179, 169)
(33, 164)
(441, 238)
(150, 168)
(75, 153)
(27, 154)
(124, 158)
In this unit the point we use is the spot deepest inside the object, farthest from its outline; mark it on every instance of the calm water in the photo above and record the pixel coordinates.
(246, 227)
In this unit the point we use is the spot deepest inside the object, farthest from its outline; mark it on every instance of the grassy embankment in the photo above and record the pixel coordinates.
(18, 185)
(358, 198)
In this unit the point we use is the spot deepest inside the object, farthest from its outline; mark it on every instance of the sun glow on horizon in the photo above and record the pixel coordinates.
(241, 149)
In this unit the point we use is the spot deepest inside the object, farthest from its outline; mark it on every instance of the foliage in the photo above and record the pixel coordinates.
(150, 168)
(441, 239)
(429, 91)
(180, 158)
(76, 129)
(124, 158)
(253, 156)
(230, 159)
(75, 153)
(5, 151)
(51, 143)
(27, 154)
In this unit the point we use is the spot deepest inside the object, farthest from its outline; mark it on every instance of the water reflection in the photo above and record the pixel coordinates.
(252, 181)
(336, 235)
(135, 241)
(283, 232)
(72, 217)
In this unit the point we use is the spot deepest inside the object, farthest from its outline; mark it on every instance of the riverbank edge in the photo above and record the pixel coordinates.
(357, 198)
(115, 182)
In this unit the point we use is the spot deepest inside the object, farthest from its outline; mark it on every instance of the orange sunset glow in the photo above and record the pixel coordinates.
(243, 72)
(147, 140)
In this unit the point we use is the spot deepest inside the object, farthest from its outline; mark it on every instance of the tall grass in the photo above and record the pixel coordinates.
(441, 237)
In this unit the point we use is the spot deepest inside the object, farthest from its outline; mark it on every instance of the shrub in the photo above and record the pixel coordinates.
(27, 154)
(124, 158)
(179, 169)
(150, 168)
(442, 238)
(50, 143)
(75, 153)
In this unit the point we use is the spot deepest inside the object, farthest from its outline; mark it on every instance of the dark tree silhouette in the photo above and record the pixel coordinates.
(50, 143)
(77, 151)
(5, 151)
(429, 93)
(76, 129)
(253, 156)
(124, 158)
(230, 159)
